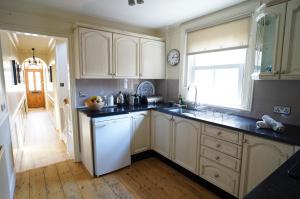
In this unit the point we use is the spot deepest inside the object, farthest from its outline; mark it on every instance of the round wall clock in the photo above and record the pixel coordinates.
(173, 57)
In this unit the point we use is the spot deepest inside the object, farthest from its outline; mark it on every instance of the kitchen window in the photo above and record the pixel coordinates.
(217, 65)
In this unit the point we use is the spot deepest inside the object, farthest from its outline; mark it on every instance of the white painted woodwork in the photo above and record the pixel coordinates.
(96, 53)
(222, 146)
(140, 132)
(291, 48)
(153, 65)
(186, 139)
(220, 176)
(161, 133)
(223, 134)
(221, 158)
(126, 56)
(260, 158)
(86, 142)
(277, 11)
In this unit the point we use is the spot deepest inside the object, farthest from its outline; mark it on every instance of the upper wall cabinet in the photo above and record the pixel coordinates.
(277, 48)
(269, 41)
(152, 59)
(291, 48)
(96, 53)
(126, 56)
(105, 55)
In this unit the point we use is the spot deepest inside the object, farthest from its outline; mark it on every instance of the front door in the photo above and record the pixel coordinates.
(35, 88)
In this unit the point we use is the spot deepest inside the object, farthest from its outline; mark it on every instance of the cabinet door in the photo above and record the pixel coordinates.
(126, 56)
(260, 158)
(141, 132)
(153, 65)
(161, 133)
(186, 136)
(96, 52)
(291, 49)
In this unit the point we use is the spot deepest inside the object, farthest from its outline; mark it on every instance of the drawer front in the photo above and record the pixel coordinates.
(221, 158)
(223, 134)
(220, 176)
(222, 146)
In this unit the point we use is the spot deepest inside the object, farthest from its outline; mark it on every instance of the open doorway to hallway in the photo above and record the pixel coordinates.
(36, 73)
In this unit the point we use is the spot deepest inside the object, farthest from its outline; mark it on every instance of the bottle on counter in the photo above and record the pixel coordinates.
(180, 99)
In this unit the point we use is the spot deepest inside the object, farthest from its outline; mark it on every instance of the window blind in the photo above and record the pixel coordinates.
(225, 36)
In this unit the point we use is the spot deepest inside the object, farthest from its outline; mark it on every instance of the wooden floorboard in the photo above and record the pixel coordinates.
(145, 179)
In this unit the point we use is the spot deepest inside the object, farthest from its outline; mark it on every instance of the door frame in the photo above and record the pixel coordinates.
(41, 70)
(72, 70)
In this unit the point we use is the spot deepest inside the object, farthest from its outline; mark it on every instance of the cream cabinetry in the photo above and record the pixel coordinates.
(186, 138)
(260, 158)
(126, 56)
(96, 53)
(161, 133)
(106, 54)
(152, 59)
(141, 132)
(291, 48)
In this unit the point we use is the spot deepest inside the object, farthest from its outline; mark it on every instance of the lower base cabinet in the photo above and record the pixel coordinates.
(220, 176)
(260, 158)
(140, 132)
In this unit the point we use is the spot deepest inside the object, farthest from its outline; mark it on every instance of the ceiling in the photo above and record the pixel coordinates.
(27, 41)
(151, 14)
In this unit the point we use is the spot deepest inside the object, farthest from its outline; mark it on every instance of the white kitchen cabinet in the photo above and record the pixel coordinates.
(269, 42)
(161, 133)
(96, 53)
(140, 132)
(291, 48)
(126, 56)
(260, 158)
(186, 140)
(153, 65)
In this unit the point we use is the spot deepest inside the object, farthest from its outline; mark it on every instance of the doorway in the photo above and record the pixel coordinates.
(34, 82)
(38, 92)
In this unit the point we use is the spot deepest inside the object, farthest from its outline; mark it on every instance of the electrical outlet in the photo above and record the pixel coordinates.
(286, 110)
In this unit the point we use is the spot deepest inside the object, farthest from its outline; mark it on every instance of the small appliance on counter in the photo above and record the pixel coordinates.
(156, 99)
(134, 100)
(120, 99)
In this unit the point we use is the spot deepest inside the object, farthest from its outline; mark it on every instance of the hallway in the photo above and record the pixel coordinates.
(42, 145)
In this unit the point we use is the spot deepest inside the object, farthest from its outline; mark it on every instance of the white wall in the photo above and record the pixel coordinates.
(15, 93)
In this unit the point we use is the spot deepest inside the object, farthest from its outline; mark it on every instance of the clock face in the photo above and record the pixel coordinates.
(173, 57)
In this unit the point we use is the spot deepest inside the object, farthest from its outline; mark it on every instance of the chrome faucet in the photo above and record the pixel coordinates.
(196, 94)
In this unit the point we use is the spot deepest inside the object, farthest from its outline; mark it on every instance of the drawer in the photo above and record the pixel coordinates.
(233, 150)
(221, 158)
(220, 176)
(223, 134)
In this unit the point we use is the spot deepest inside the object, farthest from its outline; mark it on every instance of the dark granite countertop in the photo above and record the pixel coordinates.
(238, 123)
(279, 185)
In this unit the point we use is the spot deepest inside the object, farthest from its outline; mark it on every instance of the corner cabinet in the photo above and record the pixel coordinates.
(291, 48)
(95, 48)
(277, 47)
(141, 132)
(153, 63)
(260, 158)
(186, 139)
(161, 133)
(126, 56)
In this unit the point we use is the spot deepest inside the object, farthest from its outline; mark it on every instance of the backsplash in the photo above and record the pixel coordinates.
(106, 87)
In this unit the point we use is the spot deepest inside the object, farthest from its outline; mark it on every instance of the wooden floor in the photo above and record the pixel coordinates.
(42, 145)
(145, 179)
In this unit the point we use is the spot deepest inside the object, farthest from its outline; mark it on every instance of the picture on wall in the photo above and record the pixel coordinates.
(50, 74)
(14, 72)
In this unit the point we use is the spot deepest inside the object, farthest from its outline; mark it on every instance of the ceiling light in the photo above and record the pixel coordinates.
(140, 1)
(131, 2)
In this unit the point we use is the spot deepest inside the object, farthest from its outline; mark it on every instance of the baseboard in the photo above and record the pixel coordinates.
(211, 187)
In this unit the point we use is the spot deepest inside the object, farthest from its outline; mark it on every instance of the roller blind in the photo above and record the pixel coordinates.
(228, 35)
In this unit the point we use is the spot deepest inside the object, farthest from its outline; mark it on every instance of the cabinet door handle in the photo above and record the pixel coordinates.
(275, 72)
(283, 72)
(216, 175)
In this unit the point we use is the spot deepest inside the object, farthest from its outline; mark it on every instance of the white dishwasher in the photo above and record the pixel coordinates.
(111, 143)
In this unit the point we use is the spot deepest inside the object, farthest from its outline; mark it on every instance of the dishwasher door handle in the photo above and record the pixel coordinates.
(103, 124)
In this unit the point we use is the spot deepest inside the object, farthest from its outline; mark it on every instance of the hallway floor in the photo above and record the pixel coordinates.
(42, 145)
